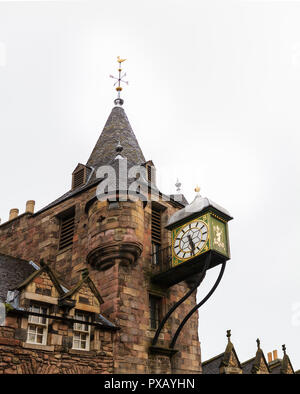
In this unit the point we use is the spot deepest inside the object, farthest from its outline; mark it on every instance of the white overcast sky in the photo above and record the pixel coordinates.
(213, 100)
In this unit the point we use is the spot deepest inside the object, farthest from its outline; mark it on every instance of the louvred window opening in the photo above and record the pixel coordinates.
(78, 178)
(149, 173)
(156, 226)
(66, 231)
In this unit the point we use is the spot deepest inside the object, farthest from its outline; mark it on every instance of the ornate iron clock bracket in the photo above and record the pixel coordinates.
(198, 306)
(176, 305)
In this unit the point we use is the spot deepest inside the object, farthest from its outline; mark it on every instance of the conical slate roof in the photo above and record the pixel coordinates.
(116, 130)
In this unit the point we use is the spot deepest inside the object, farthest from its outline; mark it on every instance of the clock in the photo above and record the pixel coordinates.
(190, 240)
(199, 239)
(201, 234)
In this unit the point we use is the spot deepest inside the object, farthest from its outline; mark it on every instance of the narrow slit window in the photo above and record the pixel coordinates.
(155, 310)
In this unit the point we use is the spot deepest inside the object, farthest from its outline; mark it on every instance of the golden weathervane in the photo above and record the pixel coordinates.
(119, 80)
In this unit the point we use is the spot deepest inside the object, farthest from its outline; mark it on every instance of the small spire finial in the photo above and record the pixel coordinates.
(119, 80)
(178, 185)
(228, 335)
(258, 343)
(284, 349)
(197, 189)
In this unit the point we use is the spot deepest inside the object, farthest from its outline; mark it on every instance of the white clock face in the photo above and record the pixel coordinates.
(191, 239)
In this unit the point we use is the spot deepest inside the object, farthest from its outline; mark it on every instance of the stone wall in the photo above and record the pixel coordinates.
(15, 359)
(125, 285)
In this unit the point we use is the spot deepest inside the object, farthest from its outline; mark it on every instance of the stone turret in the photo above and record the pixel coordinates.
(115, 233)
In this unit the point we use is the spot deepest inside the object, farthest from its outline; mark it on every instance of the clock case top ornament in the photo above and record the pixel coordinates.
(191, 247)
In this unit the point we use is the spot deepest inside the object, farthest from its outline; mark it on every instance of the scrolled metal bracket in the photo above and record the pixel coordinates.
(196, 307)
(178, 303)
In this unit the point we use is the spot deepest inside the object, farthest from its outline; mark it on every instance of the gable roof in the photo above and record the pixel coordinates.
(286, 363)
(79, 285)
(253, 365)
(228, 351)
(12, 272)
(281, 366)
(44, 268)
(213, 365)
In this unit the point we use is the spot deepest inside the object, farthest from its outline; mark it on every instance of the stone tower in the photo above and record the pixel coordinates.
(121, 241)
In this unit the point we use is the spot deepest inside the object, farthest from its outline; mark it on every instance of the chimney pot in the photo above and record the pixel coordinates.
(269, 357)
(30, 206)
(13, 213)
(275, 356)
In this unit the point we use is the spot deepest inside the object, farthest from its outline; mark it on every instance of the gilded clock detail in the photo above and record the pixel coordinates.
(219, 236)
(191, 239)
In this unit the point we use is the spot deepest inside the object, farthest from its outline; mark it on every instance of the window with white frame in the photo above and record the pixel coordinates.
(81, 337)
(37, 326)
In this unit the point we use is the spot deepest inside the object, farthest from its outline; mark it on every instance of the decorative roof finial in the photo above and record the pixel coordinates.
(119, 80)
(258, 343)
(284, 349)
(228, 335)
(178, 185)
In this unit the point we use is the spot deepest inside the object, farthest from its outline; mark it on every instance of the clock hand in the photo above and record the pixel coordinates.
(192, 245)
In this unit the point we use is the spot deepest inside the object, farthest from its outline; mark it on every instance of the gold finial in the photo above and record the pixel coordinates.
(121, 60)
(197, 189)
(119, 80)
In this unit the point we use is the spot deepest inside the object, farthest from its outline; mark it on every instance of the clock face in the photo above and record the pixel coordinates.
(190, 240)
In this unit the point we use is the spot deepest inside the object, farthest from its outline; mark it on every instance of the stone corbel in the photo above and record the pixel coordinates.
(106, 255)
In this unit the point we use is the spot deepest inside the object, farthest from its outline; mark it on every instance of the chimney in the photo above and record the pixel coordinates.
(269, 357)
(13, 213)
(30, 206)
(275, 356)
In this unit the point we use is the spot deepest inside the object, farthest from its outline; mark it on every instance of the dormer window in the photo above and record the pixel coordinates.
(151, 172)
(80, 175)
(78, 179)
(81, 337)
(37, 326)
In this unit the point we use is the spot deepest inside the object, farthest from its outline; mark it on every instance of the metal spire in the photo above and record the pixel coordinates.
(119, 80)
(178, 186)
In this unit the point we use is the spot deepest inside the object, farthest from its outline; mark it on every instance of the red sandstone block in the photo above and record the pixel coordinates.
(9, 371)
(9, 341)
